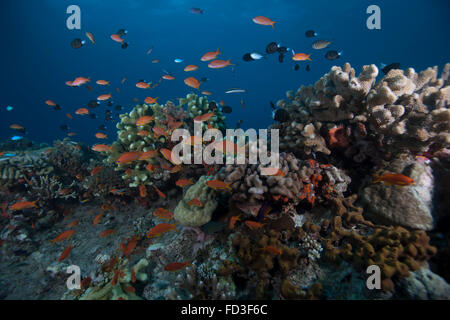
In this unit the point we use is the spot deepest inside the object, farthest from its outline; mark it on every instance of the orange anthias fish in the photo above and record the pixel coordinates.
(192, 82)
(167, 154)
(97, 219)
(107, 232)
(102, 82)
(101, 135)
(263, 21)
(396, 179)
(148, 155)
(272, 250)
(68, 115)
(150, 100)
(129, 247)
(96, 170)
(253, 225)
(190, 67)
(90, 37)
(50, 103)
(143, 133)
(204, 117)
(233, 220)
(195, 202)
(162, 213)
(80, 81)
(143, 85)
(23, 205)
(168, 77)
(129, 157)
(210, 55)
(159, 132)
(217, 64)
(142, 191)
(101, 148)
(175, 266)
(116, 38)
(301, 57)
(17, 127)
(65, 253)
(73, 224)
(82, 111)
(159, 192)
(161, 228)
(218, 185)
(142, 121)
(151, 167)
(63, 236)
(183, 182)
(208, 93)
(104, 97)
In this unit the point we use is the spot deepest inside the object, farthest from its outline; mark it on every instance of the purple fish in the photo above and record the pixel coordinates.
(196, 11)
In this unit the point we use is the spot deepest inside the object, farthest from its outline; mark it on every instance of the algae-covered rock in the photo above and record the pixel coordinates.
(194, 216)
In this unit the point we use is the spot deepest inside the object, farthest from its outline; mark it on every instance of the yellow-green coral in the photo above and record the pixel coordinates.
(197, 106)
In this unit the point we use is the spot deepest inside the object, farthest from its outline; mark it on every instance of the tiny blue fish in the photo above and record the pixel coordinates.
(178, 60)
(9, 155)
(9, 108)
(16, 138)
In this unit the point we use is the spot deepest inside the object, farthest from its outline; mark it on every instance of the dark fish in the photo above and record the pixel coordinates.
(108, 117)
(333, 55)
(64, 127)
(121, 32)
(196, 11)
(227, 109)
(282, 49)
(308, 67)
(212, 106)
(93, 104)
(272, 48)
(310, 34)
(110, 103)
(272, 105)
(296, 67)
(389, 67)
(124, 45)
(281, 57)
(247, 57)
(118, 108)
(204, 79)
(102, 127)
(92, 116)
(77, 43)
(281, 115)
(57, 107)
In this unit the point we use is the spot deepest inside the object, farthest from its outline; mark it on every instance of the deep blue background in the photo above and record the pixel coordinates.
(36, 57)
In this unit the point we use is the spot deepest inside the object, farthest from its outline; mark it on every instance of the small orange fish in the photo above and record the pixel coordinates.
(233, 221)
(155, 61)
(253, 225)
(217, 64)
(107, 232)
(210, 55)
(96, 170)
(102, 82)
(151, 167)
(183, 182)
(301, 57)
(142, 121)
(175, 266)
(129, 289)
(65, 253)
(50, 103)
(90, 37)
(142, 191)
(208, 93)
(272, 250)
(161, 228)
(23, 205)
(130, 246)
(396, 179)
(104, 97)
(192, 82)
(123, 80)
(168, 77)
(195, 202)
(116, 38)
(17, 127)
(106, 207)
(162, 195)
(129, 157)
(100, 135)
(73, 224)
(143, 133)
(143, 85)
(97, 219)
(79, 81)
(167, 154)
(159, 132)
(204, 117)
(190, 67)
(148, 155)
(133, 275)
(68, 115)
(263, 21)
(63, 236)
(150, 100)
(101, 148)
(82, 111)
(218, 185)
(162, 213)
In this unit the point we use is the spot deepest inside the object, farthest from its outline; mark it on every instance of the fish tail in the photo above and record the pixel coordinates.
(229, 62)
(377, 178)
(273, 24)
(218, 51)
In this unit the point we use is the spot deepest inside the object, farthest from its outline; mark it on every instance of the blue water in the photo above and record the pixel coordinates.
(37, 59)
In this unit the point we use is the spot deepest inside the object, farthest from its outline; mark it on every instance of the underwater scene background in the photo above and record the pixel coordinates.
(87, 177)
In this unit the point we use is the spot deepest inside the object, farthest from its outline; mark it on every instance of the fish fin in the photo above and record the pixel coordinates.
(218, 51)
(273, 24)
(377, 178)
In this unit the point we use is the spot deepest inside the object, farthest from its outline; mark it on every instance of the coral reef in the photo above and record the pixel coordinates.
(46, 190)
(196, 216)
(68, 158)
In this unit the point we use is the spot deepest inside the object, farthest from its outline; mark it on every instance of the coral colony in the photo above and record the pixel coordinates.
(361, 180)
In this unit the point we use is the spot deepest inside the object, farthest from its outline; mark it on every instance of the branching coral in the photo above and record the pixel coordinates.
(45, 190)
